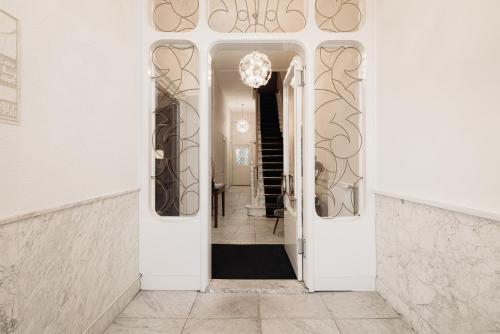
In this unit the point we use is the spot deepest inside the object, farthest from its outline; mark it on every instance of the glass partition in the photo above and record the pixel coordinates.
(175, 15)
(338, 130)
(251, 16)
(175, 138)
(338, 16)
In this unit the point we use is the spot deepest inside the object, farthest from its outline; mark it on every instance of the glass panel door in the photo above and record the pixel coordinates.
(292, 112)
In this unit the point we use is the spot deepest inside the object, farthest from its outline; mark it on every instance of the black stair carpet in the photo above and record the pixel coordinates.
(272, 150)
(251, 262)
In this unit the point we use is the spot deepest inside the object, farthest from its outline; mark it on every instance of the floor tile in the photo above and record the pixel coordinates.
(307, 306)
(268, 238)
(235, 221)
(145, 326)
(226, 305)
(222, 326)
(221, 237)
(236, 227)
(268, 227)
(264, 232)
(357, 305)
(299, 326)
(374, 326)
(160, 304)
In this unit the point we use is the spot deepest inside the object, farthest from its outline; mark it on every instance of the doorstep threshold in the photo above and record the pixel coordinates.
(261, 286)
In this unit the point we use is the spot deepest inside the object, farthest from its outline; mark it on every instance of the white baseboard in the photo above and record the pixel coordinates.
(344, 284)
(113, 310)
(168, 282)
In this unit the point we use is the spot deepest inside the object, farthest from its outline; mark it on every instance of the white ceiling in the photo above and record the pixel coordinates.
(226, 64)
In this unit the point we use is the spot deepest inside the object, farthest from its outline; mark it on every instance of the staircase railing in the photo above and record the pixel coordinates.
(254, 170)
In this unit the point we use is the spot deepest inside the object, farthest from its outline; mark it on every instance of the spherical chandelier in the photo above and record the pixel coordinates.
(255, 69)
(242, 126)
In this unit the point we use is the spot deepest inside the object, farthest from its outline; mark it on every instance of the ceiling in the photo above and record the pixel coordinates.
(226, 64)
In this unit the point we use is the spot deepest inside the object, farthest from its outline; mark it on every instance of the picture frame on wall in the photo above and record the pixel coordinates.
(9, 68)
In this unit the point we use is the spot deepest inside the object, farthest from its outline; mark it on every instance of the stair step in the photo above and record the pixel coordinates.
(272, 168)
(271, 151)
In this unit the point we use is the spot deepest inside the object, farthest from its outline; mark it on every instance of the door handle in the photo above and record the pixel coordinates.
(283, 184)
(291, 187)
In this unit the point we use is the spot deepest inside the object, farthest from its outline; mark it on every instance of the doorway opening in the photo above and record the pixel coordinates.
(256, 165)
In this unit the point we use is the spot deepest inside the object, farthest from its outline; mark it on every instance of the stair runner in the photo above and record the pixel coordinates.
(272, 151)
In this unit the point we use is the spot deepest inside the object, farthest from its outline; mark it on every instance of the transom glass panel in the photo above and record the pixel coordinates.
(175, 15)
(338, 15)
(251, 16)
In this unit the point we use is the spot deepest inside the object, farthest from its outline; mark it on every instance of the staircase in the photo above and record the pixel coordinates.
(272, 150)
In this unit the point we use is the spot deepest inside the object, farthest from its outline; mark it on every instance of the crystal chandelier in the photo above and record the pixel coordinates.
(242, 126)
(255, 69)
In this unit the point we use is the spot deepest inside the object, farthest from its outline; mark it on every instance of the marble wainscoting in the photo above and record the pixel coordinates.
(69, 270)
(440, 269)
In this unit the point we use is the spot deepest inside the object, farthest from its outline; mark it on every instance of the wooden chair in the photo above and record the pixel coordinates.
(218, 188)
(278, 213)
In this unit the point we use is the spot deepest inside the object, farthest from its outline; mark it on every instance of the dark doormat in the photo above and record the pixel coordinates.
(251, 262)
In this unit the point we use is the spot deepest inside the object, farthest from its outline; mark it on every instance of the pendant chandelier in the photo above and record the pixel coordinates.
(255, 69)
(242, 126)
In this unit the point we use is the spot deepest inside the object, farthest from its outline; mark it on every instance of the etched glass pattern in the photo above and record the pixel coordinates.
(251, 16)
(242, 157)
(338, 131)
(175, 136)
(175, 15)
(338, 15)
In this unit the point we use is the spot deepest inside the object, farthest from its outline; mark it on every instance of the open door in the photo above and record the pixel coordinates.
(292, 174)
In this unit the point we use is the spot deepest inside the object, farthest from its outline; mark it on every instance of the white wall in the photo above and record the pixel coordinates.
(220, 120)
(438, 115)
(80, 90)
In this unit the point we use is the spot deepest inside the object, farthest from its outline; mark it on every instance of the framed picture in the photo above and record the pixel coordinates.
(9, 55)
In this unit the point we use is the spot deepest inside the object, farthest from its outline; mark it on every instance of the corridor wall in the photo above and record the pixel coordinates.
(68, 171)
(438, 202)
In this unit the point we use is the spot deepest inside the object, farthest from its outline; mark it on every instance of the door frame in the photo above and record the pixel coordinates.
(294, 78)
(175, 251)
(307, 57)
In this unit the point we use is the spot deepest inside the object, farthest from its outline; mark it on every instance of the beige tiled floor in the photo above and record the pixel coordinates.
(251, 313)
(238, 228)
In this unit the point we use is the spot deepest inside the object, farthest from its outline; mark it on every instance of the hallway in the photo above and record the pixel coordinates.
(369, 126)
(182, 312)
(237, 228)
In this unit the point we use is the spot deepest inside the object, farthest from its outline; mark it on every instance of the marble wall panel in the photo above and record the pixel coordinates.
(70, 265)
(8, 278)
(439, 268)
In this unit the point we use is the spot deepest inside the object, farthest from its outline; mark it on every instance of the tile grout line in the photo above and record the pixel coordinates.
(259, 314)
(190, 311)
(330, 313)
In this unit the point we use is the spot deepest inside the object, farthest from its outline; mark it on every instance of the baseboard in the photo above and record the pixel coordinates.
(393, 300)
(112, 312)
(344, 284)
(169, 282)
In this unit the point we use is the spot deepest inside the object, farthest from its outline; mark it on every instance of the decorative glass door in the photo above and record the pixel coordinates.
(292, 109)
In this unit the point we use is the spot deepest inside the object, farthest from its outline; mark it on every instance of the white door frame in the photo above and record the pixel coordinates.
(293, 79)
(175, 251)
